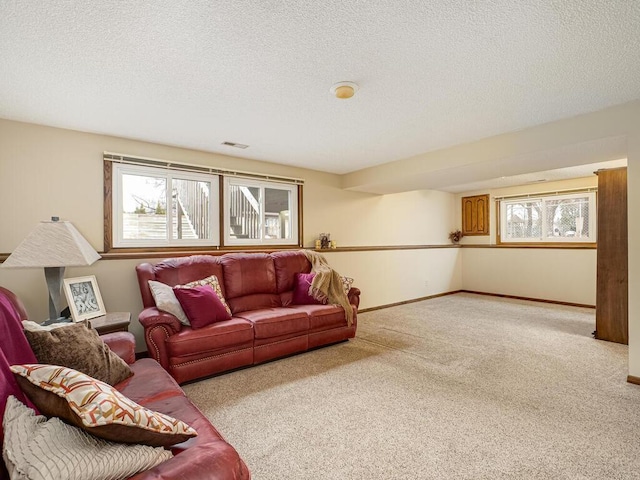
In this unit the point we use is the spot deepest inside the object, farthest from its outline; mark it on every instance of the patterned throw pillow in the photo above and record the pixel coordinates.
(213, 282)
(346, 284)
(76, 346)
(35, 448)
(97, 407)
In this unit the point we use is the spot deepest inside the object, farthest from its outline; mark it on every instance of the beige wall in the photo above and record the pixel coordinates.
(554, 274)
(618, 121)
(548, 274)
(47, 171)
(633, 199)
(576, 183)
(494, 153)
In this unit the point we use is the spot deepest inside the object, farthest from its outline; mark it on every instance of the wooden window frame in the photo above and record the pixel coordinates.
(226, 239)
(542, 243)
(139, 252)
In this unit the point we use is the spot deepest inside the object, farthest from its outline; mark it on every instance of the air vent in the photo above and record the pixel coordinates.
(236, 145)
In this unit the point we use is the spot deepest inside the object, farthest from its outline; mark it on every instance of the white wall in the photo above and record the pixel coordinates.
(47, 171)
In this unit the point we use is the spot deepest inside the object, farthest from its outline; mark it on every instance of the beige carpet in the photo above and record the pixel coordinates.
(457, 387)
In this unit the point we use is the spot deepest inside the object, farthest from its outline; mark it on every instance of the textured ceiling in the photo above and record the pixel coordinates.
(432, 73)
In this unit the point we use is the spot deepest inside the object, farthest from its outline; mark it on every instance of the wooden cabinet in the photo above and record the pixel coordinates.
(475, 215)
(612, 280)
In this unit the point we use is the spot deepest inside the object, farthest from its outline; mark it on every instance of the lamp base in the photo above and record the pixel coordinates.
(54, 276)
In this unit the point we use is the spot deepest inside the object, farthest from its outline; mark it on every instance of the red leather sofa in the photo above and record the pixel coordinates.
(265, 325)
(205, 457)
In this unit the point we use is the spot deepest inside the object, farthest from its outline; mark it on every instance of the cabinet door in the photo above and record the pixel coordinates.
(475, 215)
(612, 280)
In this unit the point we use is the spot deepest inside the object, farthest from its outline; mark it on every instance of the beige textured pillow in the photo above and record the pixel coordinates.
(97, 407)
(166, 301)
(39, 449)
(76, 346)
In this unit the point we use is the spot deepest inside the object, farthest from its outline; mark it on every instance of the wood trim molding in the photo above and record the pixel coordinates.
(220, 210)
(132, 253)
(560, 246)
(405, 302)
(633, 379)
(108, 205)
(300, 217)
(374, 248)
(530, 299)
(129, 253)
(126, 253)
(453, 292)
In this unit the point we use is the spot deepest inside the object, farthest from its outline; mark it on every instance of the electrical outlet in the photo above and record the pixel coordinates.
(426, 283)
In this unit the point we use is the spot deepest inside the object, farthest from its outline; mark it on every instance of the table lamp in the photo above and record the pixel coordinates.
(53, 245)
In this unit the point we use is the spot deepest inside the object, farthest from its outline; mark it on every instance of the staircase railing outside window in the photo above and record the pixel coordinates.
(192, 205)
(245, 213)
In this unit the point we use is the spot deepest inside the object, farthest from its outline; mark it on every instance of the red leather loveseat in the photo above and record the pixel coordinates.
(265, 325)
(205, 457)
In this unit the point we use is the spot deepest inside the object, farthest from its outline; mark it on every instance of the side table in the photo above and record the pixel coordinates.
(111, 322)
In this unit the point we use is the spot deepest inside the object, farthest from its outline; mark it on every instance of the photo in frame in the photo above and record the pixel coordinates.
(83, 297)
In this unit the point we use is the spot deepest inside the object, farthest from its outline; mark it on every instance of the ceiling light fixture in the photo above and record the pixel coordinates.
(344, 90)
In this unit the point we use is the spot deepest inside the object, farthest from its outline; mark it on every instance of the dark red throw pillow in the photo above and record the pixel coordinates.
(201, 305)
(301, 284)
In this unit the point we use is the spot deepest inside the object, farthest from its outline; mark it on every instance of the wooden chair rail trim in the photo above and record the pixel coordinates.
(139, 253)
(560, 246)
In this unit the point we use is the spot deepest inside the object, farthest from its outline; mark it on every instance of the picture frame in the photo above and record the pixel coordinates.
(83, 297)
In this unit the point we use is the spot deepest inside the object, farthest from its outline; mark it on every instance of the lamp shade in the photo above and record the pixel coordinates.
(52, 244)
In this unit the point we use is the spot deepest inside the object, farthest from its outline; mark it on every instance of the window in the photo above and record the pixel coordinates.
(152, 204)
(157, 207)
(549, 219)
(260, 212)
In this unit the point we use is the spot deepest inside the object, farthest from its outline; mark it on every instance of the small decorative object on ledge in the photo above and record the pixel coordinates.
(325, 240)
(455, 236)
